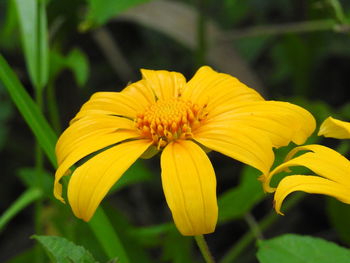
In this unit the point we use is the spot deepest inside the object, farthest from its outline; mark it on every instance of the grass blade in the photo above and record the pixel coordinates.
(33, 24)
(103, 229)
(29, 110)
(100, 224)
(43, 50)
(29, 196)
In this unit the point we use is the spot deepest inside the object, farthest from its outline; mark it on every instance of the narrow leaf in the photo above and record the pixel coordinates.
(100, 224)
(26, 198)
(101, 11)
(76, 61)
(27, 16)
(34, 178)
(42, 41)
(135, 174)
(339, 216)
(238, 201)
(60, 250)
(292, 248)
(33, 24)
(105, 233)
(29, 110)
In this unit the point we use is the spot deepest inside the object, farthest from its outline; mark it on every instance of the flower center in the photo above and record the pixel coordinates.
(169, 120)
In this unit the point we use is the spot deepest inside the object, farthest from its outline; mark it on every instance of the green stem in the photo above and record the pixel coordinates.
(107, 237)
(201, 33)
(264, 224)
(26, 198)
(338, 11)
(301, 27)
(203, 247)
(254, 226)
(53, 107)
(39, 166)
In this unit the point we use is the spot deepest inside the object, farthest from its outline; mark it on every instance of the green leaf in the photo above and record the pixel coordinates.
(345, 112)
(29, 110)
(47, 139)
(34, 178)
(33, 24)
(105, 233)
(133, 245)
(137, 173)
(76, 61)
(176, 247)
(339, 216)
(292, 248)
(60, 250)
(26, 198)
(101, 11)
(6, 113)
(238, 201)
(149, 235)
(7, 30)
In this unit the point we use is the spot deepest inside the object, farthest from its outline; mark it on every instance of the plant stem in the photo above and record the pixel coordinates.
(201, 33)
(264, 224)
(53, 107)
(39, 166)
(338, 10)
(254, 226)
(301, 27)
(203, 247)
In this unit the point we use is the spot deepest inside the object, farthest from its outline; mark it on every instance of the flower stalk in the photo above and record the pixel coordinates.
(204, 249)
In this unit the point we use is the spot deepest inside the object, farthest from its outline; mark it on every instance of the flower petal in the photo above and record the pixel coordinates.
(311, 185)
(165, 84)
(208, 87)
(283, 122)
(335, 129)
(88, 146)
(91, 181)
(242, 143)
(141, 92)
(189, 185)
(321, 160)
(91, 125)
(113, 103)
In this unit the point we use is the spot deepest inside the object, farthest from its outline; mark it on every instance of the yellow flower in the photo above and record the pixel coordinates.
(333, 168)
(162, 112)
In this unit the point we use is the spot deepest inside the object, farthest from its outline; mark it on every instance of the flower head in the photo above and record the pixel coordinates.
(332, 168)
(164, 113)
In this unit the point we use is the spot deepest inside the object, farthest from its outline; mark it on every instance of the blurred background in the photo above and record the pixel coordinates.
(290, 50)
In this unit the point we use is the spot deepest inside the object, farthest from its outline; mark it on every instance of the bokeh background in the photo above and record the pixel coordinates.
(290, 50)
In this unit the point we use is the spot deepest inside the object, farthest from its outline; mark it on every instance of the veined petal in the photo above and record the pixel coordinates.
(91, 181)
(87, 146)
(91, 125)
(311, 185)
(335, 129)
(141, 92)
(189, 185)
(112, 103)
(165, 84)
(283, 122)
(208, 87)
(321, 160)
(243, 143)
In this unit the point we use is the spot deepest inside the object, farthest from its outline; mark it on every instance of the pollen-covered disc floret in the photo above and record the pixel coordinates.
(169, 120)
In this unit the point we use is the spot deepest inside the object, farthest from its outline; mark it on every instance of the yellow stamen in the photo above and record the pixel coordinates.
(169, 120)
